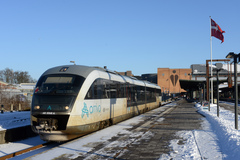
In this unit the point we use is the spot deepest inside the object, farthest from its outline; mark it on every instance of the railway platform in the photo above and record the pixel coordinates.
(182, 117)
(146, 136)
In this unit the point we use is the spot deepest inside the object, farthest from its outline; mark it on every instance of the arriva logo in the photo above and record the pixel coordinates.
(90, 110)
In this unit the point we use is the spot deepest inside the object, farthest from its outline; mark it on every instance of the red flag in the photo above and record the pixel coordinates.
(216, 31)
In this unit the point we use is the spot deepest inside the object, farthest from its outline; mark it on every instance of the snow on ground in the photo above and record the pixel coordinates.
(14, 119)
(224, 127)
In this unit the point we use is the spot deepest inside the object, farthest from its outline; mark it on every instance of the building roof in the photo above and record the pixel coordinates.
(26, 86)
(3, 83)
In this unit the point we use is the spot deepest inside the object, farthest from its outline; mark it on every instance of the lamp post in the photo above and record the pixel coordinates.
(235, 57)
(219, 68)
(200, 92)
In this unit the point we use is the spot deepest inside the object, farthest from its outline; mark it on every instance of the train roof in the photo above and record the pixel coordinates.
(81, 70)
(84, 71)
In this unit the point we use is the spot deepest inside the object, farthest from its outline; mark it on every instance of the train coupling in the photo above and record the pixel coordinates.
(47, 124)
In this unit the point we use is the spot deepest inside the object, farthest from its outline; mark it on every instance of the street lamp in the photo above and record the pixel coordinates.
(231, 55)
(235, 57)
(219, 68)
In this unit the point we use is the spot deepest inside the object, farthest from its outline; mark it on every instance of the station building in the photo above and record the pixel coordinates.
(193, 80)
(168, 79)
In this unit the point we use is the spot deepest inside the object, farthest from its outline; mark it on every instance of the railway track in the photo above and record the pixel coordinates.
(17, 153)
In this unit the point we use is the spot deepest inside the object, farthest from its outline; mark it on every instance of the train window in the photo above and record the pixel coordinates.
(59, 84)
(135, 94)
(59, 80)
(128, 94)
(89, 94)
(103, 88)
(158, 92)
(113, 89)
(106, 88)
(150, 94)
(120, 90)
(140, 94)
(95, 90)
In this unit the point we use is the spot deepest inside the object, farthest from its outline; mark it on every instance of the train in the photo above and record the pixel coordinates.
(73, 100)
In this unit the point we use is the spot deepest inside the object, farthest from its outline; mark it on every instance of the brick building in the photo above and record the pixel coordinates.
(168, 79)
(127, 73)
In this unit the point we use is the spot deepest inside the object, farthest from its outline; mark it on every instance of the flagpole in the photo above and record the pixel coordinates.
(211, 62)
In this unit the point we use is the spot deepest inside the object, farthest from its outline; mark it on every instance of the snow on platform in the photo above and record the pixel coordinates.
(14, 119)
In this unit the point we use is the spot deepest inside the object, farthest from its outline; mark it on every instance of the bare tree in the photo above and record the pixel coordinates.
(1, 75)
(21, 77)
(9, 76)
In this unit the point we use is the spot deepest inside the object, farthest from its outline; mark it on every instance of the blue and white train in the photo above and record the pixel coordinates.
(74, 100)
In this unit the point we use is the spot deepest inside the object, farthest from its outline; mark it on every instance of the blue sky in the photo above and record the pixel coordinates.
(137, 35)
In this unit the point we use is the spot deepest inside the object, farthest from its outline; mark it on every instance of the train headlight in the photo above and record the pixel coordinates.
(66, 107)
(36, 107)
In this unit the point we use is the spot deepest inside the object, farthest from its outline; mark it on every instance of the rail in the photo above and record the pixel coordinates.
(24, 151)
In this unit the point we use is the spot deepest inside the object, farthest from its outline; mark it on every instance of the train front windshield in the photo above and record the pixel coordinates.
(56, 93)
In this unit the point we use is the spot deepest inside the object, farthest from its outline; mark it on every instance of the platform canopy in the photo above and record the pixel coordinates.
(194, 85)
